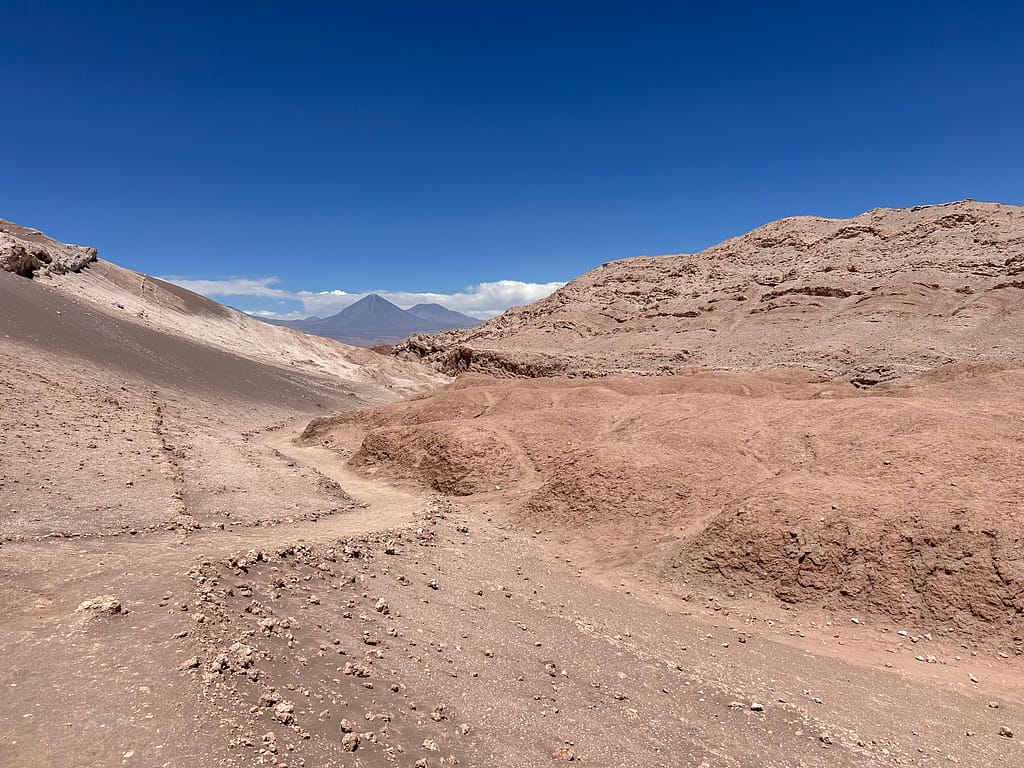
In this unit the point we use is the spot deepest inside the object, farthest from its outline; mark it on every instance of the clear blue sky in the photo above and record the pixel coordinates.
(427, 146)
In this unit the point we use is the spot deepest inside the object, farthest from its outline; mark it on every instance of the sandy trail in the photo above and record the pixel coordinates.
(527, 606)
(387, 504)
(67, 671)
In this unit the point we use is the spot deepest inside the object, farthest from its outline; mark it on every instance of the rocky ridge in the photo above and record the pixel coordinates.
(866, 299)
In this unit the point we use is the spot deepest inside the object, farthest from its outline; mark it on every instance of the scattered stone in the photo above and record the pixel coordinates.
(284, 712)
(190, 663)
(350, 742)
(103, 605)
(755, 707)
(243, 654)
(356, 670)
(346, 725)
(564, 753)
(1005, 732)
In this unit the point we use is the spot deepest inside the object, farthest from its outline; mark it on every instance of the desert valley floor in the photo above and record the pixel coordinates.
(256, 618)
(228, 544)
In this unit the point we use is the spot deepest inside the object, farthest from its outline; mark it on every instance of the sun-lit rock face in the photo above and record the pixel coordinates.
(28, 252)
(889, 292)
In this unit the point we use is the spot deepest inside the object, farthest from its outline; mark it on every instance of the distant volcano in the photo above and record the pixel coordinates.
(374, 320)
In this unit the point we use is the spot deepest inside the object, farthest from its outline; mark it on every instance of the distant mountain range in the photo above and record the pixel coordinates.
(374, 320)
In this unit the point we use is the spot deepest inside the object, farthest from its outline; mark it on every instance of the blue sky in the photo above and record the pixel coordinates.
(480, 153)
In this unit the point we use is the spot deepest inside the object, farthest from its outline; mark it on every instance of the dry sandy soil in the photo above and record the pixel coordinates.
(434, 628)
(503, 572)
(867, 299)
(902, 501)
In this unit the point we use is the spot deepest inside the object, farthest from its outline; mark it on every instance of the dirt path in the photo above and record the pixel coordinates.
(527, 652)
(80, 690)
(388, 504)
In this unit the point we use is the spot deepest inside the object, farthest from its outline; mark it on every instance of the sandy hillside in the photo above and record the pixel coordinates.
(889, 292)
(140, 305)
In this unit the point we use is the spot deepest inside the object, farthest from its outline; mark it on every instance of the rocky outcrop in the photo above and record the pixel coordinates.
(28, 252)
(867, 299)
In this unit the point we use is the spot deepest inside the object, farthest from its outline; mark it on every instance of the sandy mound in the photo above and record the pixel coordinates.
(889, 292)
(902, 500)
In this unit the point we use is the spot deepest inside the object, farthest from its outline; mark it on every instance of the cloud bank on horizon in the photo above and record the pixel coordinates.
(482, 300)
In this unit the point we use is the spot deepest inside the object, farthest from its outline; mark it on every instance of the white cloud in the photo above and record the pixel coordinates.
(234, 287)
(297, 315)
(482, 300)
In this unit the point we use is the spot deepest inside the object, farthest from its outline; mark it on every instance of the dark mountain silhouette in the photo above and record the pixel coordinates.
(442, 317)
(374, 320)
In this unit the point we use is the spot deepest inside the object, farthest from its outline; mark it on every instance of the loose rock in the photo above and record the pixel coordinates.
(350, 742)
(564, 753)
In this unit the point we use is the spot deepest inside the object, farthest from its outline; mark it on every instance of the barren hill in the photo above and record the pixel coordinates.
(101, 365)
(889, 292)
(63, 299)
